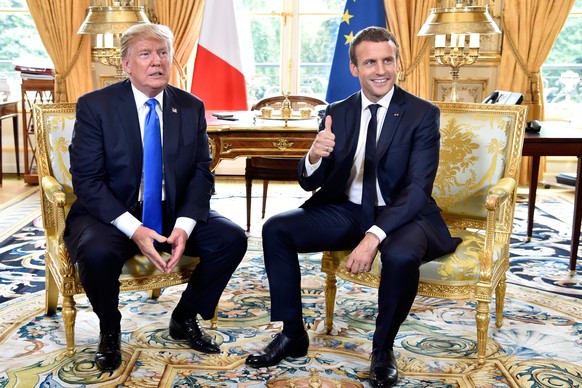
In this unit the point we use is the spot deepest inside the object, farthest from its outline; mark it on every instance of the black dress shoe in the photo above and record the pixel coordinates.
(108, 355)
(281, 347)
(197, 338)
(383, 369)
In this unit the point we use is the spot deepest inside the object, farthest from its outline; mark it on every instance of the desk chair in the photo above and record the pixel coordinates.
(53, 129)
(274, 169)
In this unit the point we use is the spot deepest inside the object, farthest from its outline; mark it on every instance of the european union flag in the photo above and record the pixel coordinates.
(358, 15)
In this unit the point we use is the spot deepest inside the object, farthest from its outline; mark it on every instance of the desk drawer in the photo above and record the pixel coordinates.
(275, 145)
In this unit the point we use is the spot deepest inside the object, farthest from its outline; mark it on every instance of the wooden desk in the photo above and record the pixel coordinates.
(555, 139)
(249, 137)
(9, 109)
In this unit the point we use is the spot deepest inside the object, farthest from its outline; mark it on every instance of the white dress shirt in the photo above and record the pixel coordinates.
(126, 222)
(356, 180)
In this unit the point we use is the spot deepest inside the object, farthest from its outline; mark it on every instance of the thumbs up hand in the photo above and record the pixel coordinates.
(323, 144)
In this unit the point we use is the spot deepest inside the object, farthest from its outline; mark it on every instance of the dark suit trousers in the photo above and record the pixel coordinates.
(337, 227)
(100, 250)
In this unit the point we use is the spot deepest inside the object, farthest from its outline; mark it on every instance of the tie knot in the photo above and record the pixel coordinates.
(373, 109)
(151, 103)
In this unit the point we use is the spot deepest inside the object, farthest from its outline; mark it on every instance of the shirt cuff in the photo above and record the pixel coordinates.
(186, 224)
(127, 224)
(310, 168)
(375, 230)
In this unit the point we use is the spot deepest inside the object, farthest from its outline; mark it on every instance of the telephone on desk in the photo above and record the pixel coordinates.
(502, 97)
(533, 126)
(511, 98)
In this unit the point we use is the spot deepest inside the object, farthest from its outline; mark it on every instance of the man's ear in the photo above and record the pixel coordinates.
(125, 64)
(354, 69)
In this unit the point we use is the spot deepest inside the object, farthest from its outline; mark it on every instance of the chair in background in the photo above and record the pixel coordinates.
(476, 187)
(274, 169)
(53, 129)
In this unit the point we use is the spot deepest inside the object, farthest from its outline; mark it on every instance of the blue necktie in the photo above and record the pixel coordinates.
(369, 184)
(152, 169)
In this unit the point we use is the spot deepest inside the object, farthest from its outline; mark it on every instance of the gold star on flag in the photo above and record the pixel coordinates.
(349, 38)
(346, 17)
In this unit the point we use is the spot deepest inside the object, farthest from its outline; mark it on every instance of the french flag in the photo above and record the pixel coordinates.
(218, 72)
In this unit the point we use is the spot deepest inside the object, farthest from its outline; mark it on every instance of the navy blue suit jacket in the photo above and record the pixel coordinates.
(107, 155)
(407, 156)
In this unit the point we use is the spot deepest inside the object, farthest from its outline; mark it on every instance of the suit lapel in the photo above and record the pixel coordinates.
(171, 116)
(391, 122)
(352, 127)
(171, 136)
(130, 123)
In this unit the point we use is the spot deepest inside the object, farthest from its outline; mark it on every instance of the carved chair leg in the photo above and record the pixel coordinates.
(328, 265)
(51, 293)
(265, 189)
(155, 293)
(249, 187)
(500, 301)
(69, 316)
(483, 317)
(330, 293)
(214, 320)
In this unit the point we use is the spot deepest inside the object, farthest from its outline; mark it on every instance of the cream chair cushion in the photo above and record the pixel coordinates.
(472, 160)
(459, 268)
(59, 131)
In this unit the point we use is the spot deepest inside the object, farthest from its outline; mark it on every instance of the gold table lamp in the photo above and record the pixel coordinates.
(457, 31)
(106, 23)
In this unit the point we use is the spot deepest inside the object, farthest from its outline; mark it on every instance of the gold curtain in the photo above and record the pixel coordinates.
(405, 18)
(525, 48)
(57, 22)
(184, 17)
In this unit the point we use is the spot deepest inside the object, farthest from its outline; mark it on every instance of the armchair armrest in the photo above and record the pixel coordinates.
(55, 201)
(500, 192)
(497, 195)
(53, 191)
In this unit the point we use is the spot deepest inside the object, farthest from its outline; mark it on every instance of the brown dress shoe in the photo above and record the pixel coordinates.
(108, 355)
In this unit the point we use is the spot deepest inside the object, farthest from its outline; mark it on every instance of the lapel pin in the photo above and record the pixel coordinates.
(396, 114)
(174, 110)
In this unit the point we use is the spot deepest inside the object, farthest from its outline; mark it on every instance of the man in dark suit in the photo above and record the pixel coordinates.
(104, 227)
(395, 170)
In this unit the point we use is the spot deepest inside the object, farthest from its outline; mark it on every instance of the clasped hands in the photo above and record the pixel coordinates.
(145, 237)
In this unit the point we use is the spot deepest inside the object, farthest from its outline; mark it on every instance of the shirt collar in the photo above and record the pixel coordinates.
(140, 98)
(383, 102)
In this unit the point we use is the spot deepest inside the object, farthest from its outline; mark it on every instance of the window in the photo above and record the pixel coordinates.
(287, 45)
(18, 39)
(562, 70)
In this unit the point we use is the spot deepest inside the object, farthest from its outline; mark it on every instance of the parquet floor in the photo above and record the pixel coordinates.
(12, 187)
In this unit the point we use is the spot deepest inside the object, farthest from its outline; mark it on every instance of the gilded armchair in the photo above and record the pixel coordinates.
(476, 187)
(53, 129)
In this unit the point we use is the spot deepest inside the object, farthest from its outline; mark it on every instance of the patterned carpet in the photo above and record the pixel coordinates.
(539, 344)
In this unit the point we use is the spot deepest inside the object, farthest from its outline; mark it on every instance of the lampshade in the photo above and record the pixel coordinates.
(459, 20)
(112, 20)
